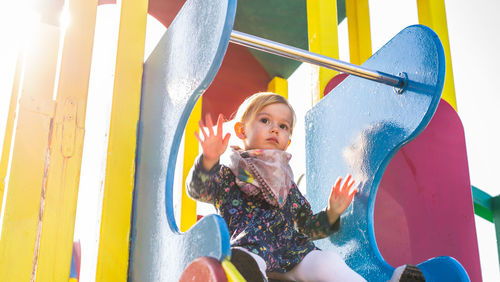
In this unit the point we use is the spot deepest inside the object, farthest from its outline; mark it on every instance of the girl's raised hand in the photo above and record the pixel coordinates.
(340, 198)
(212, 144)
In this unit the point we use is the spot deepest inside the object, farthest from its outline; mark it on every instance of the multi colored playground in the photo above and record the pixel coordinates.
(387, 117)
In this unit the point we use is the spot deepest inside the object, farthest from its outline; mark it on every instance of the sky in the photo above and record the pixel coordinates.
(474, 44)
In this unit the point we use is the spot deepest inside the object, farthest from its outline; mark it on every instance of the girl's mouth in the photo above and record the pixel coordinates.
(272, 139)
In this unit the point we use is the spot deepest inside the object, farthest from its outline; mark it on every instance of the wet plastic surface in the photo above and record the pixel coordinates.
(175, 75)
(359, 127)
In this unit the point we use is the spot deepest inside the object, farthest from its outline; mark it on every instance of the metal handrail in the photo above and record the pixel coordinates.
(294, 53)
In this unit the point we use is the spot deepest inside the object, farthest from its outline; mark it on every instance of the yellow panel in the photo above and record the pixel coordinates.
(432, 13)
(66, 144)
(323, 37)
(112, 264)
(358, 21)
(19, 236)
(232, 274)
(188, 213)
(9, 126)
(278, 85)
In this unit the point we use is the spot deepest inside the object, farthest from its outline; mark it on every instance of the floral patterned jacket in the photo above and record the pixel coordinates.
(281, 236)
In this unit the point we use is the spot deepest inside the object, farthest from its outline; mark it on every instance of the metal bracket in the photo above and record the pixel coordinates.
(404, 81)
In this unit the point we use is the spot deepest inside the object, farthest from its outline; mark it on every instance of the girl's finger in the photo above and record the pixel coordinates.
(197, 137)
(225, 142)
(220, 121)
(336, 186)
(202, 129)
(349, 186)
(353, 192)
(345, 186)
(210, 124)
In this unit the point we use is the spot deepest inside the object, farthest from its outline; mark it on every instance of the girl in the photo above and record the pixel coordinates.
(271, 224)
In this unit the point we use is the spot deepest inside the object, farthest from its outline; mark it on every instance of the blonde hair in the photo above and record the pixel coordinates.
(255, 103)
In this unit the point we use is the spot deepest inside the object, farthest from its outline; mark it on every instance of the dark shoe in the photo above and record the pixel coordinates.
(411, 273)
(247, 266)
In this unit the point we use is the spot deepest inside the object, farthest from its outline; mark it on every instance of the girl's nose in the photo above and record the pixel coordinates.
(274, 128)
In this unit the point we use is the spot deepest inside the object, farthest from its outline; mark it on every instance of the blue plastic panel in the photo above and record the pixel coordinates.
(175, 75)
(359, 126)
(443, 269)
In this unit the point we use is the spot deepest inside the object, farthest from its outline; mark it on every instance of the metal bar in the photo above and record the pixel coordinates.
(313, 58)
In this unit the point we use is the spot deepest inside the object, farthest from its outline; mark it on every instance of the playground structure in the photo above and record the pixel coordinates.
(45, 253)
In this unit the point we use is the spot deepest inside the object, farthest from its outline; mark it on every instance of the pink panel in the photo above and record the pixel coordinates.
(424, 204)
(77, 257)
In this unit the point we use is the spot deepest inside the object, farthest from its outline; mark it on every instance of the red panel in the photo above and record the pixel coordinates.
(336, 80)
(165, 10)
(240, 76)
(204, 269)
(424, 204)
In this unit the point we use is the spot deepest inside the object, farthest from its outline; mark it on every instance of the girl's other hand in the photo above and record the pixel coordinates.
(212, 144)
(340, 198)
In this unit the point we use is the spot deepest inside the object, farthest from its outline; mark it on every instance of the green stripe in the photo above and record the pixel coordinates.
(482, 204)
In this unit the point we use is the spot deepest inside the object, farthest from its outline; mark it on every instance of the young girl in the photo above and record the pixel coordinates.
(271, 224)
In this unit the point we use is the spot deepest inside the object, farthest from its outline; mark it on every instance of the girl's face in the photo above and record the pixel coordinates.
(269, 129)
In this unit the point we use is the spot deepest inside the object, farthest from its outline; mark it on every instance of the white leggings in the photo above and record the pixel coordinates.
(316, 266)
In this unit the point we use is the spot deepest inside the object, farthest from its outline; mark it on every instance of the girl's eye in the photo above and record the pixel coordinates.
(284, 126)
(264, 120)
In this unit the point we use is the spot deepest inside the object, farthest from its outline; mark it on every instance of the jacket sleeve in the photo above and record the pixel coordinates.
(203, 185)
(315, 226)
